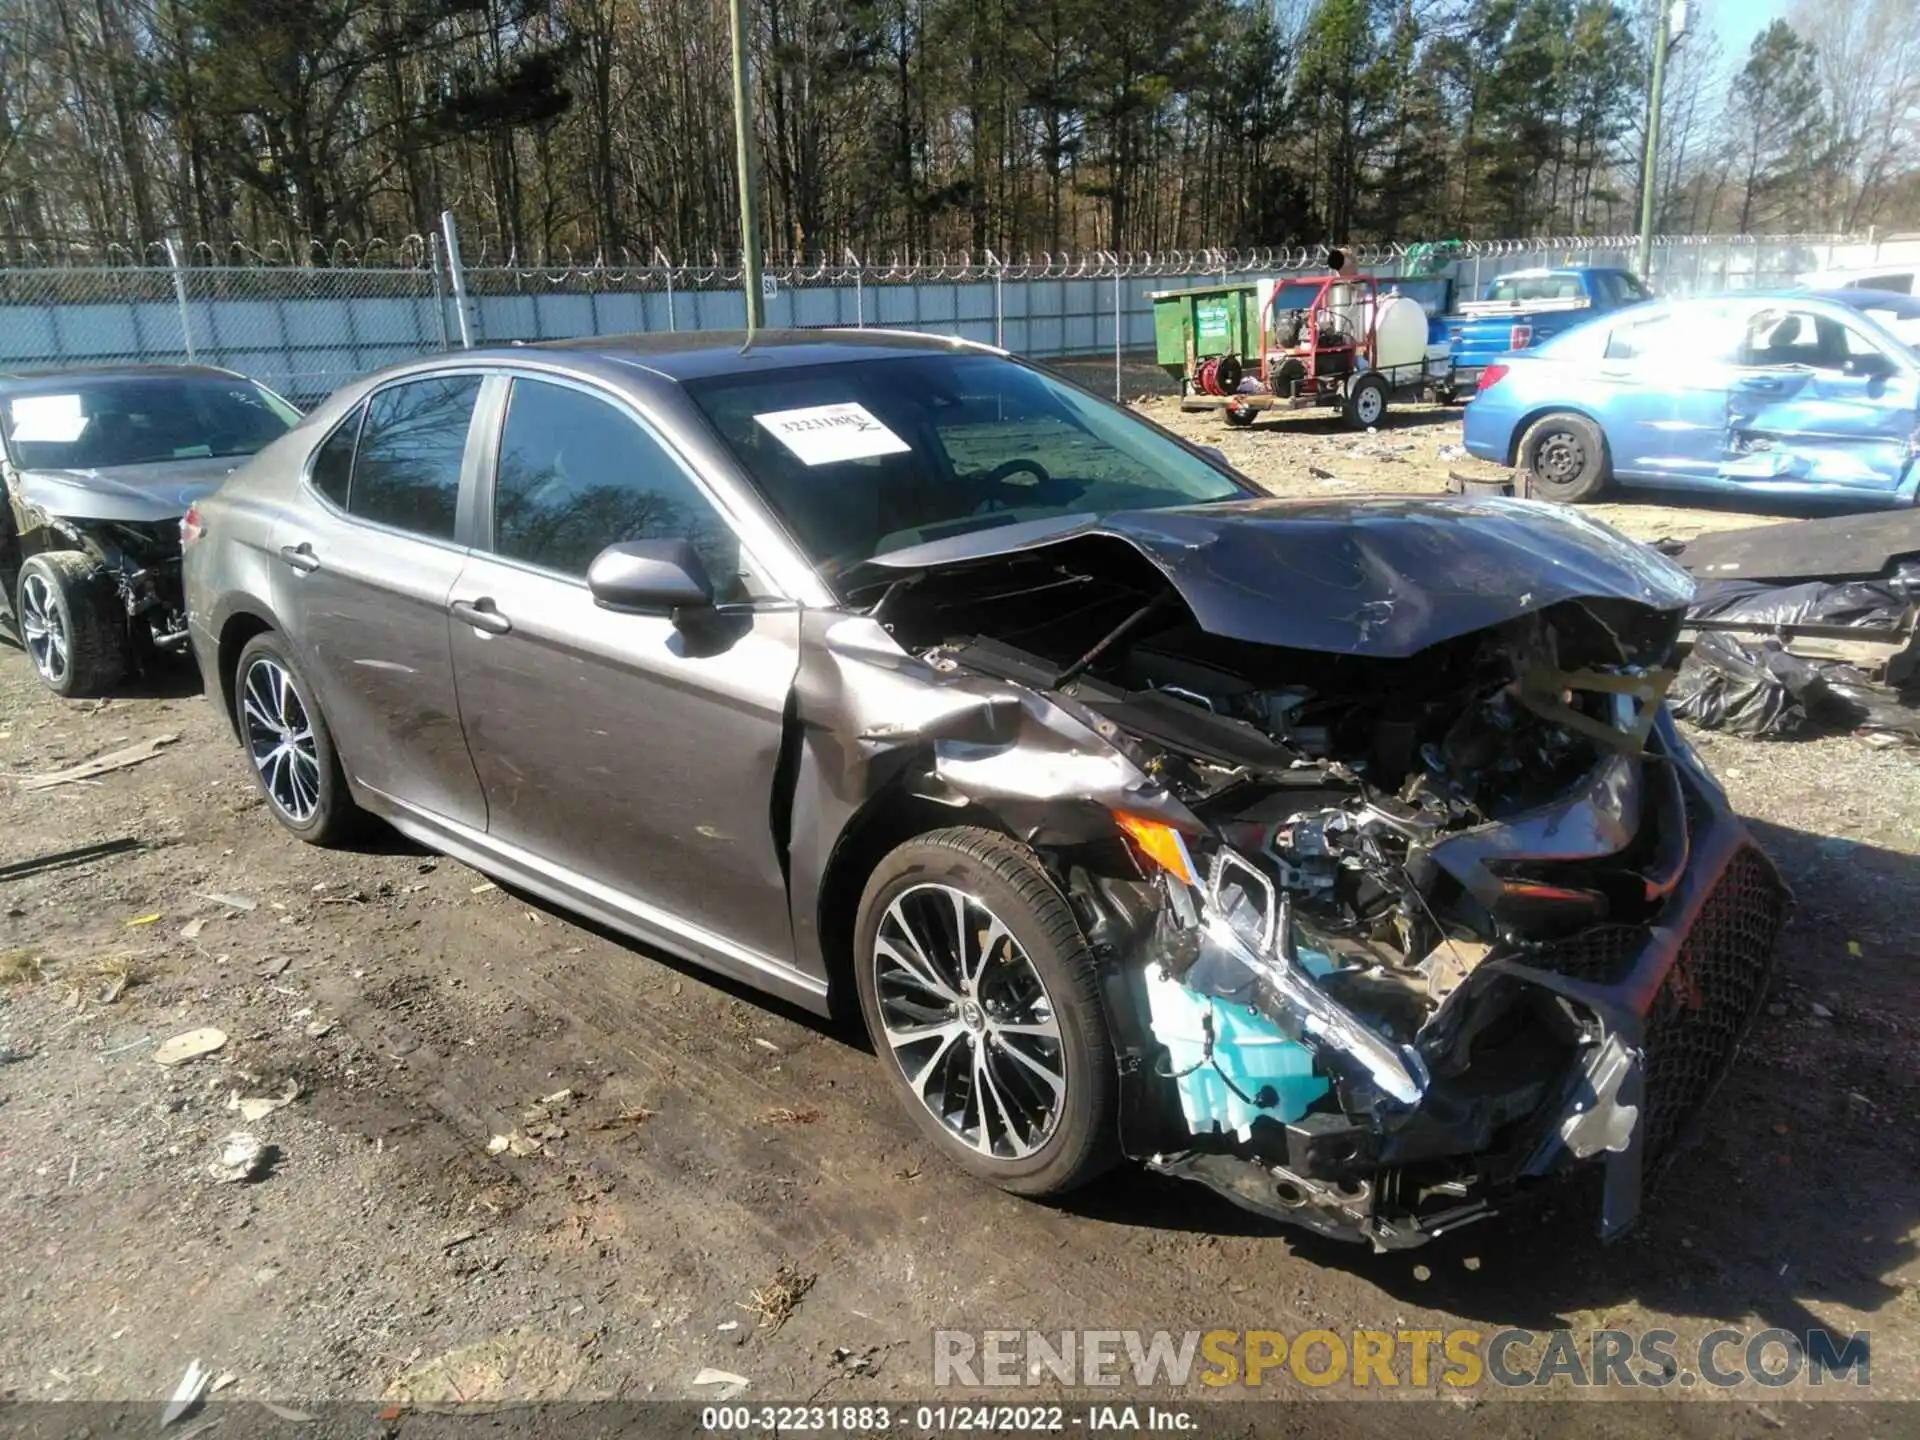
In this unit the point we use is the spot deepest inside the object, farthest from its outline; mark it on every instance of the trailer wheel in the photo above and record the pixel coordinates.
(1565, 457)
(1366, 401)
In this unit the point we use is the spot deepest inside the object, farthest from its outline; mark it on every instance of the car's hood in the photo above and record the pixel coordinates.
(1384, 577)
(134, 493)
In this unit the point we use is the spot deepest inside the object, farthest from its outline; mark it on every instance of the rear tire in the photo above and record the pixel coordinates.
(72, 623)
(289, 747)
(962, 935)
(1366, 403)
(1565, 458)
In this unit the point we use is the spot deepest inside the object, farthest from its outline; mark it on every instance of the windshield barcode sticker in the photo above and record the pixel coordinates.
(824, 434)
(48, 419)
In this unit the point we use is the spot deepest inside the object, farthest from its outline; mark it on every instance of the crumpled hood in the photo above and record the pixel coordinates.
(1384, 577)
(132, 493)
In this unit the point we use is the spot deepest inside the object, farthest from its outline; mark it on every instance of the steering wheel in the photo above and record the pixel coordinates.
(992, 484)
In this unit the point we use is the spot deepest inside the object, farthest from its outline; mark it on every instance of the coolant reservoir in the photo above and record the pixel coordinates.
(1400, 332)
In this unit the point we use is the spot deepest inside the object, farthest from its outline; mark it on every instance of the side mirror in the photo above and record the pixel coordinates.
(1871, 365)
(650, 576)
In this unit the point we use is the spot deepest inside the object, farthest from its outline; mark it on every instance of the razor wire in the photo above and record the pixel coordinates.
(305, 317)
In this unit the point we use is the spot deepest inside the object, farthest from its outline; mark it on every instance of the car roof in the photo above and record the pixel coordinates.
(698, 354)
(16, 382)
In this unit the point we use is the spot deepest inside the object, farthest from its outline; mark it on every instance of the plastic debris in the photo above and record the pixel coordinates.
(187, 1393)
(152, 919)
(190, 1045)
(291, 1416)
(191, 930)
(483, 887)
(242, 903)
(255, 1108)
(222, 1381)
(242, 1157)
(120, 759)
(733, 1383)
(317, 1028)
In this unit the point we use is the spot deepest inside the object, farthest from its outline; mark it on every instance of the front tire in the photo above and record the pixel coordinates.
(1565, 458)
(289, 745)
(981, 997)
(72, 623)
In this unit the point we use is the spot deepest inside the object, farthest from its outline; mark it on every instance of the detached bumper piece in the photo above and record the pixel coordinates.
(1310, 1096)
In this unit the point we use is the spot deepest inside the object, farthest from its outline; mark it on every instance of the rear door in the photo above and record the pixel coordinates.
(1818, 402)
(365, 570)
(634, 753)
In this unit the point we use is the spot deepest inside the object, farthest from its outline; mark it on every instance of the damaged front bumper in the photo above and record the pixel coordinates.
(1545, 1058)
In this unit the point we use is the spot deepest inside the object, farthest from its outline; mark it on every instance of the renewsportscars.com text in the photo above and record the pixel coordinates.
(1417, 1359)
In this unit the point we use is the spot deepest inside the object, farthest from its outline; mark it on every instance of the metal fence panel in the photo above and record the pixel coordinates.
(306, 328)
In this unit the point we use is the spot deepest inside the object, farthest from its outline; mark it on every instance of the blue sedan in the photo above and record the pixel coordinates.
(1800, 395)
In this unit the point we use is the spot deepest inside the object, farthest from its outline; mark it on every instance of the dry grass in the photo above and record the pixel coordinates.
(787, 1115)
(21, 967)
(776, 1301)
(625, 1120)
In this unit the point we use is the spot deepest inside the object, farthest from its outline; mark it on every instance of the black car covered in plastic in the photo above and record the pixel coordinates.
(98, 469)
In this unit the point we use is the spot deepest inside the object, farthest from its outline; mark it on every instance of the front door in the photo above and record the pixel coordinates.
(1662, 386)
(365, 571)
(638, 754)
(1818, 403)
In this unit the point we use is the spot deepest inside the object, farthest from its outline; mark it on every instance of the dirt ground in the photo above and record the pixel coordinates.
(674, 1148)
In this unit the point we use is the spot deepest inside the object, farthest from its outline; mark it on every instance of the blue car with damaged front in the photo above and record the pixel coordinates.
(1803, 395)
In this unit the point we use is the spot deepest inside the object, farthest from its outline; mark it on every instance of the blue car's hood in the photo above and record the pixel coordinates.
(1381, 577)
(136, 494)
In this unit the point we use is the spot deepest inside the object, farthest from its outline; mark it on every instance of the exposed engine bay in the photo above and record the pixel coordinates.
(1406, 927)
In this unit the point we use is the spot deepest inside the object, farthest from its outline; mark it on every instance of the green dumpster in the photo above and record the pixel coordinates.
(1190, 326)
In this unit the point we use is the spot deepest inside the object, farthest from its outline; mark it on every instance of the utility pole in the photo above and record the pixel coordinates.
(744, 162)
(1671, 22)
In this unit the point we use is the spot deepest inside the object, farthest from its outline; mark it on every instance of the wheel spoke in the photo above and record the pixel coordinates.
(913, 965)
(918, 1080)
(1054, 1082)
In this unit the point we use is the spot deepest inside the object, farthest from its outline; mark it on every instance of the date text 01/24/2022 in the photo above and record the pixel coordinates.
(941, 1419)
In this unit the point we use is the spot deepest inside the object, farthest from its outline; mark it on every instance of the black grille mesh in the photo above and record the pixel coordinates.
(1710, 996)
(1600, 956)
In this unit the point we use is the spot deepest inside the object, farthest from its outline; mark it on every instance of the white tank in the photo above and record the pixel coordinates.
(1400, 332)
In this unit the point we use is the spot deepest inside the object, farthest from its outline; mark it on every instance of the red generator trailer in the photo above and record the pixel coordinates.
(1330, 342)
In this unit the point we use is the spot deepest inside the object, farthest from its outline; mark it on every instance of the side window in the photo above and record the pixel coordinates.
(407, 471)
(333, 461)
(1776, 337)
(577, 475)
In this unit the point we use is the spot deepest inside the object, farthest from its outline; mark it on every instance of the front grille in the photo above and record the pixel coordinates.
(1710, 996)
(1603, 955)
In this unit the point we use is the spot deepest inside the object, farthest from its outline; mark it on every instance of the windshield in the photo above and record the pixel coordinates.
(99, 424)
(874, 455)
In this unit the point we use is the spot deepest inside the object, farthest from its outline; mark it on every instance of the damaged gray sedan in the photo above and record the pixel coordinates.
(1341, 857)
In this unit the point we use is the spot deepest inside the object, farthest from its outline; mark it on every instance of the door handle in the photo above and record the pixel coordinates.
(300, 557)
(481, 614)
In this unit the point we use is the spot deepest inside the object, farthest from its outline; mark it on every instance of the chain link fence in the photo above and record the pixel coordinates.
(307, 323)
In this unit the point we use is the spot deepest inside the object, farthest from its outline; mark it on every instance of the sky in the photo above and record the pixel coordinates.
(1738, 21)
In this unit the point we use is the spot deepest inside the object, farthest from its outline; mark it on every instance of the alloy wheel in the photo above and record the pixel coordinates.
(44, 629)
(969, 1021)
(280, 739)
